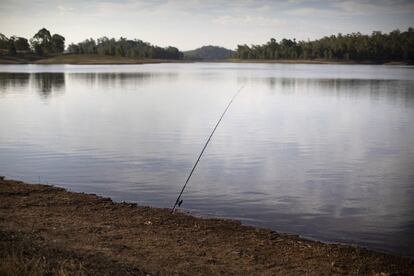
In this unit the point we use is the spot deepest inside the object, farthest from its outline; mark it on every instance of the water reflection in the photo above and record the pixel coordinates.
(45, 84)
(120, 79)
(10, 81)
(394, 90)
(48, 83)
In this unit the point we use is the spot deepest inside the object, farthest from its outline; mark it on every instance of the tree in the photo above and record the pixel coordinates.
(58, 44)
(12, 48)
(43, 35)
(4, 41)
(21, 44)
(43, 43)
(73, 48)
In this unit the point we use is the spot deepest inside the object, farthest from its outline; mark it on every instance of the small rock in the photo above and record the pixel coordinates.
(339, 264)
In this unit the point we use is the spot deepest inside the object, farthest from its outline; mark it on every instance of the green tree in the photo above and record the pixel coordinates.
(11, 48)
(73, 48)
(4, 41)
(41, 42)
(58, 44)
(21, 44)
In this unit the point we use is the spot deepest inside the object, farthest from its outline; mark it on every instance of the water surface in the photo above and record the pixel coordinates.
(325, 151)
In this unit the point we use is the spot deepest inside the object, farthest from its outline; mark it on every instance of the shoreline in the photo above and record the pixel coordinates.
(58, 230)
(116, 60)
(87, 60)
(315, 61)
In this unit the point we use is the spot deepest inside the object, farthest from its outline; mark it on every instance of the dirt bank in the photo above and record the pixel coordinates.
(46, 229)
(99, 59)
(118, 60)
(83, 59)
(318, 61)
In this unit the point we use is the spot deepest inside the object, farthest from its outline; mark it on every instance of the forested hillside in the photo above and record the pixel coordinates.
(44, 44)
(396, 45)
(209, 53)
(124, 48)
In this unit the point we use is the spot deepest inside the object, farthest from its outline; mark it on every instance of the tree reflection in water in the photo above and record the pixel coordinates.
(13, 80)
(44, 83)
(48, 83)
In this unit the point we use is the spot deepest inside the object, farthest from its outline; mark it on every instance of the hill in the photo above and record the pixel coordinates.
(209, 53)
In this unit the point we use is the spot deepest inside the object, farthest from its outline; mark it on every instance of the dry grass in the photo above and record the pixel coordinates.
(16, 265)
(47, 230)
(292, 61)
(98, 59)
(19, 257)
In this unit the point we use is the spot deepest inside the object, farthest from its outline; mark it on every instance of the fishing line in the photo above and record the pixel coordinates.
(178, 201)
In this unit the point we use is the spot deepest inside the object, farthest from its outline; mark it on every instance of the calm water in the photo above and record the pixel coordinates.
(324, 151)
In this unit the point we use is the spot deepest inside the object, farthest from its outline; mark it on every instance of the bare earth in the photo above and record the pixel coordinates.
(85, 59)
(106, 59)
(99, 59)
(44, 229)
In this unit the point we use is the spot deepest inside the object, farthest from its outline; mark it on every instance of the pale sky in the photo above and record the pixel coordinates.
(194, 23)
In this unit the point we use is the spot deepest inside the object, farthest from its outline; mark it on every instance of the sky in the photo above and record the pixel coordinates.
(189, 24)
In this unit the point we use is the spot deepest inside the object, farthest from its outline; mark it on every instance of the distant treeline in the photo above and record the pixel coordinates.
(43, 43)
(380, 47)
(125, 48)
(396, 45)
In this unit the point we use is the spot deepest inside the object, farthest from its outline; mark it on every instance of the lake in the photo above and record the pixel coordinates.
(324, 151)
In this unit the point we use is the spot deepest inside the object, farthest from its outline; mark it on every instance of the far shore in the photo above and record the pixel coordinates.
(314, 61)
(46, 230)
(85, 60)
(117, 60)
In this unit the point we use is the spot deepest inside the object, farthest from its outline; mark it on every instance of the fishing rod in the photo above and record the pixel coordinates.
(178, 201)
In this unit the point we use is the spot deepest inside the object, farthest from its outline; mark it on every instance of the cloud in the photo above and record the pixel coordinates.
(314, 12)
(191, 23)
(64, 9)
(248, 20)
(352, 7)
